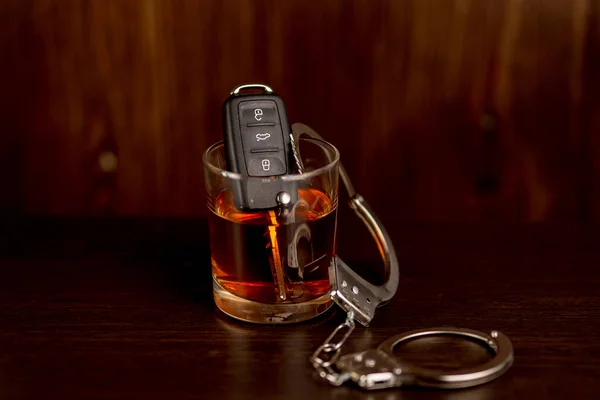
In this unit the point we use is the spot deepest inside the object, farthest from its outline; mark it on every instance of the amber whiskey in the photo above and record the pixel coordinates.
(274, 256)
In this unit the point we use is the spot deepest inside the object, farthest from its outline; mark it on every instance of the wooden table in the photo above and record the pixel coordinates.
(122, 308)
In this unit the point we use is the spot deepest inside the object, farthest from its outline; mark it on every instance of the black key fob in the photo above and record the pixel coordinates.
(256, 135)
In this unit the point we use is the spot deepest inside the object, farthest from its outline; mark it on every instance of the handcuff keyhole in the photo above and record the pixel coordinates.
(368, 300)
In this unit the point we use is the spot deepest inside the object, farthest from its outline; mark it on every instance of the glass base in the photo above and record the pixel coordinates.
(262, 313)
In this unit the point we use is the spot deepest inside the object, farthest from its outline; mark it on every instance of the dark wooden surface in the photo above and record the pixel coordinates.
(122, 308)
(474, 110)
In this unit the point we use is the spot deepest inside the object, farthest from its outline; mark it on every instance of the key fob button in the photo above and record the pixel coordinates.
(258, 112)
(262, 138)
(266, 164)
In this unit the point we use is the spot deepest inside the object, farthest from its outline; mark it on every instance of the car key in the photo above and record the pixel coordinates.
(256, 135)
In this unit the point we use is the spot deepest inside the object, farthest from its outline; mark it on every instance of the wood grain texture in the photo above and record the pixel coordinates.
(107, 308)
(459, 109)
(591, 120)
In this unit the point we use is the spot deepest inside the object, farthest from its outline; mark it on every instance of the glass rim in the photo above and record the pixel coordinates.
(291, 177)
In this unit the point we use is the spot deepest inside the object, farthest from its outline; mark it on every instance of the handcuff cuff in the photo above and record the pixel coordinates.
(379, 368)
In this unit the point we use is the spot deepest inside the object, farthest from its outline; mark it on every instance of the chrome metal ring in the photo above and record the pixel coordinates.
(265, 88)
(496, 341)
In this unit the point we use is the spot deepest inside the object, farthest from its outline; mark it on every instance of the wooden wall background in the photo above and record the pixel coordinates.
(442, 109)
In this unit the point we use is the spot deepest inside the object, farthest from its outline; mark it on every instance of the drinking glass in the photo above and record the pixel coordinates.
(273, 265)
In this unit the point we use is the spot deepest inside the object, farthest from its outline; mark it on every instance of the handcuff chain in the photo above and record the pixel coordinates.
(324, 366)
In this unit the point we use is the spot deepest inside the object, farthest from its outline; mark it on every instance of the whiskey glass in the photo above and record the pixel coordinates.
(273, 265)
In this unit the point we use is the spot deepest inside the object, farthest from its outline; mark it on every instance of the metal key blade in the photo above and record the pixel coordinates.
(278, 272)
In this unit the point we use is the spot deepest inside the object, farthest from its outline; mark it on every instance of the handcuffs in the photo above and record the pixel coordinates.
(379, 368)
